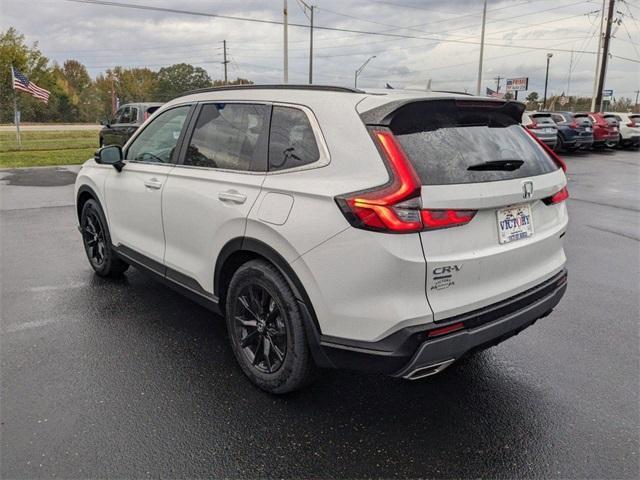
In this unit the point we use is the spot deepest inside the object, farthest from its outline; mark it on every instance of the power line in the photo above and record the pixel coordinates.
(276, 22)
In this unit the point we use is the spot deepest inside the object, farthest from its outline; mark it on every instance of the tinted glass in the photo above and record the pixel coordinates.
(157, 142)
(542, 119)
(612, 120)
(230, 136)
(292, 142)
(118, 115)
(126, 115)
(444, 138)
(557, 118)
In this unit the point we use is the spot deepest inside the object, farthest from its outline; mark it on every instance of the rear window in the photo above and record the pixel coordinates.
(612, 120)
(542, 119)
(450, 142)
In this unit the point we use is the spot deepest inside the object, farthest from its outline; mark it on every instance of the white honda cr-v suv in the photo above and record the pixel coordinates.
(387, 231)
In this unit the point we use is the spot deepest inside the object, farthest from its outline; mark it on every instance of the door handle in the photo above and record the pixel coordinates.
(153, 183)
(232, 196)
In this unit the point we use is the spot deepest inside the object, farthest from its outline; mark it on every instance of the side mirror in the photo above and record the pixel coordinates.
(110, 155)
(106, 121)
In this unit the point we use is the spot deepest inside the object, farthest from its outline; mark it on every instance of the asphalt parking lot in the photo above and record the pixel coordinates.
(129, 379)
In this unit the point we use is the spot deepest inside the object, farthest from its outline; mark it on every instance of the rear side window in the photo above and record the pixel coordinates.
(451, 142)
(292, 142)
(230, 136)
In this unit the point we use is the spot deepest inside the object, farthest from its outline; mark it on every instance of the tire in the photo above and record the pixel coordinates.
(266, 329)
(559, 144)
(97, 242)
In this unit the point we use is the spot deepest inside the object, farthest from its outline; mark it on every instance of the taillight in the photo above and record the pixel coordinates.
(532, 126)
(558, 197)
(554, 156)
(631, 124)
(396, 207)
(574, 124)
(146, 115)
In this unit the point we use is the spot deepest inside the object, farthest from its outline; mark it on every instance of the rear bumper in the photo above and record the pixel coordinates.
(411, 353)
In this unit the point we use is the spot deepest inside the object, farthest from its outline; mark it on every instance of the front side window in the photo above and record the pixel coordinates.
(126, 115)
(157, 142)
(292, 142)
(118, 115)
(231, 136)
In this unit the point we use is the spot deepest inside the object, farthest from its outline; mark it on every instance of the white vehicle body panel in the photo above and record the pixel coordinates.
(133, 205)
(362, 285)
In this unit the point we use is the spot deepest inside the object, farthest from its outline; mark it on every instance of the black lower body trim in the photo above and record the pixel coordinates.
(392, 354)
(187, 286)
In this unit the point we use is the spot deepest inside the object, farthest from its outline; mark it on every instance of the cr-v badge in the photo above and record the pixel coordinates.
(527, 189)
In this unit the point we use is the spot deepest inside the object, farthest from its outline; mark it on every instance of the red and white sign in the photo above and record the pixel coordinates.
(517, 84)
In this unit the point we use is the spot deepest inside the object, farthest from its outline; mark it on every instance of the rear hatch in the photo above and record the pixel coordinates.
(582, 124)
(476, 164)
(543, 125)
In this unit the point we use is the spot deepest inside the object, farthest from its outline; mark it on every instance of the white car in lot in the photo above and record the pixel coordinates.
(385, 231)
(629, 125)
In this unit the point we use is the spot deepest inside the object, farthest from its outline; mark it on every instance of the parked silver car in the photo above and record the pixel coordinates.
(542, 126)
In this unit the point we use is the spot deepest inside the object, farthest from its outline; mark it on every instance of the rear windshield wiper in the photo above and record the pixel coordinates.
(507, 165)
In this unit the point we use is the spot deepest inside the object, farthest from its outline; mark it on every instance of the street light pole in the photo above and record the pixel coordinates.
(546, 82)
(285, 13)
(359, 71)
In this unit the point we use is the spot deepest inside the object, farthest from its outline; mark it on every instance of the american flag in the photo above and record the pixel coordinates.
(494, 94)
(21, 82)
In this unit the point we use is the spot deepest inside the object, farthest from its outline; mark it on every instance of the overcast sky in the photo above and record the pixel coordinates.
(104, 36)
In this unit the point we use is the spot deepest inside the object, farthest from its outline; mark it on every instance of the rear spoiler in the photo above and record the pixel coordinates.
(385, 114)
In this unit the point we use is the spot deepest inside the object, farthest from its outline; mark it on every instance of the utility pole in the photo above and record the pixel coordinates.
(598, 56)
(605, 56)
(546, 82)
(286, 44)
(484, 19)
(636, 92)
(309, 8)
(497, 79)
(225, 61)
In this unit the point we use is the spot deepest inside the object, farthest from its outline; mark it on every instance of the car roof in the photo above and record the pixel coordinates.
(314, 94)
(142, 104)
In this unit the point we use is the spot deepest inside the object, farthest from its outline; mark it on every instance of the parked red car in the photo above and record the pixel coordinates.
(605, 130)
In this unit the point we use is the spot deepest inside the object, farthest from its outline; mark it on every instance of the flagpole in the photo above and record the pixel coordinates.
(16, 112)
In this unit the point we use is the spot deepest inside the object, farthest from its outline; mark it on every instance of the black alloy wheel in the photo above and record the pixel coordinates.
(95, 242)
(260, 328)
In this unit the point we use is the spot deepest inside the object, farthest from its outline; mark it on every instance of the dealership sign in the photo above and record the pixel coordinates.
(517, 84)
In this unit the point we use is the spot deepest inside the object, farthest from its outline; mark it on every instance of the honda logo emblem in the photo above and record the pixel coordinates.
(527, 189)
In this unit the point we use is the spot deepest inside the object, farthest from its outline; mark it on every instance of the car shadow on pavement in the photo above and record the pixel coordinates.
(477, 413)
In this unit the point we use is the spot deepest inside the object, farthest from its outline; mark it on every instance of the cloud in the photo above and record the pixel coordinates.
(102, 37)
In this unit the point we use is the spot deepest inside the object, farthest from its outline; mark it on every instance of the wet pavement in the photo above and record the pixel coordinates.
(129, 379)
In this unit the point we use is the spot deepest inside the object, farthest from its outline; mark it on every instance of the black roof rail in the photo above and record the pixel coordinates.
(453, 91)
(253, 86)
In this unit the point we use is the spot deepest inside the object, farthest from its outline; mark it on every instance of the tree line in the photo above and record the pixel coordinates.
(75, 96)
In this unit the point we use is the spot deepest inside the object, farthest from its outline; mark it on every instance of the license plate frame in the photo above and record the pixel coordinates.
(514, 223)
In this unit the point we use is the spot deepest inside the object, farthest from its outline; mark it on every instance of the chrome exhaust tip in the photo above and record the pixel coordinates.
(428, 370)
